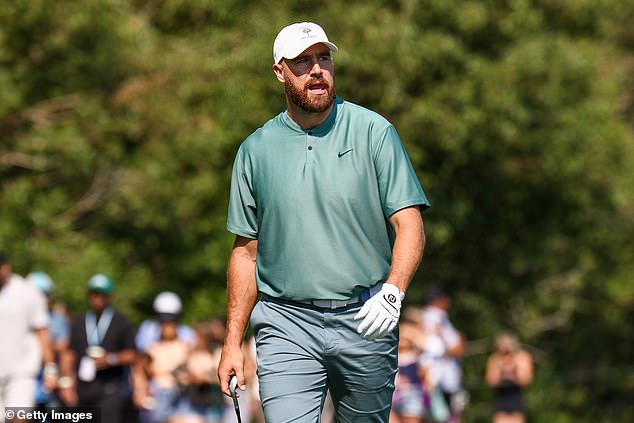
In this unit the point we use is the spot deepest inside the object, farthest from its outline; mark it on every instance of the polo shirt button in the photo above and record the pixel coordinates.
(310, 147)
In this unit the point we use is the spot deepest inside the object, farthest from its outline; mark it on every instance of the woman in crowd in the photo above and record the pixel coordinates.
(201, 399)
(156, 390)
(509, 370)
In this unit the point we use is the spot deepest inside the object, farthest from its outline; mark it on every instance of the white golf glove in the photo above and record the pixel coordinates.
(380, 313)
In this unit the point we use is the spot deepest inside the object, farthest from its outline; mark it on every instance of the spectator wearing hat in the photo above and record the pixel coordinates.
(167, 306)
(59, 333)
(59, 327)
(25, 340)
(156, 390)
(94, 368)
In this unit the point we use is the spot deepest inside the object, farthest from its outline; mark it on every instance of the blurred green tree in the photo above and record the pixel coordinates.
(119, 120)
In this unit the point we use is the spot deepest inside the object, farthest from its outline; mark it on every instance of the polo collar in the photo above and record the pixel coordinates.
(319, 130)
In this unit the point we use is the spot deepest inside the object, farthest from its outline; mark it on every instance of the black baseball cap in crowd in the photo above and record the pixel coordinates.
(434, 292)
(168, 317)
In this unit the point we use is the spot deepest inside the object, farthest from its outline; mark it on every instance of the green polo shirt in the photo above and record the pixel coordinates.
(318, 202)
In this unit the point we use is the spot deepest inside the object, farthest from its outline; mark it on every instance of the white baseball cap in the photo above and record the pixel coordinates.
(295, 38)
(42, 281)
(167, 303)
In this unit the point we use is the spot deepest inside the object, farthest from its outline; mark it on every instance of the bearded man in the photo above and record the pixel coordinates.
(326, 209)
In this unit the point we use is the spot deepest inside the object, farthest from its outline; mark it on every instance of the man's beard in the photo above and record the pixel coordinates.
(300, 97)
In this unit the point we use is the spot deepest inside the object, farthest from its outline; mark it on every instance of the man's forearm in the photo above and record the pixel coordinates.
(46, 345)
(121, 358)
(67, 363)
(242, 291)
(409, 245)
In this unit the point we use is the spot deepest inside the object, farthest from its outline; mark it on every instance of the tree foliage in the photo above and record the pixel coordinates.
(119, 120)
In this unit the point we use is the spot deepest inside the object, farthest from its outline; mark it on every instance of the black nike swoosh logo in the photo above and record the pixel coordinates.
(345, 152)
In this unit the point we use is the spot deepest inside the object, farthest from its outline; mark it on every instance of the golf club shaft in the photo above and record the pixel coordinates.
(233, 387)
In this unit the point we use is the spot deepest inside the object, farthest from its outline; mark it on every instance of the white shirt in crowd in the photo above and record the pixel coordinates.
(442, 336)
(22, 310)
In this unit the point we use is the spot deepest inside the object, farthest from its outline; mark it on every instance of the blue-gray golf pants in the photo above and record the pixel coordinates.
(302, 351)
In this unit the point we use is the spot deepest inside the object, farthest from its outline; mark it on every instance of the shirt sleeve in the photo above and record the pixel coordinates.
(77, 333)
(128, 335)
(242, 214)
(449, 334)
(398, 184)
(39, 313)
(59, 328)
(147, 333)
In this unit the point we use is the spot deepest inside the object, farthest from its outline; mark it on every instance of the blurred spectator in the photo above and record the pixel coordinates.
(509, 370)
(165, 303)
(59, 333)
(25, 340)
(202, 400)
(444, 350)
(95, 367)
(407, 403)
(156, 390)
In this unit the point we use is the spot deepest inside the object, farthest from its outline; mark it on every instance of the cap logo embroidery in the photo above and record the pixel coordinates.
(306, 30)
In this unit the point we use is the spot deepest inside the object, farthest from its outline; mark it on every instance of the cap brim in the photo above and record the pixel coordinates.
(99, 291)
(293, 54)
(167, 317)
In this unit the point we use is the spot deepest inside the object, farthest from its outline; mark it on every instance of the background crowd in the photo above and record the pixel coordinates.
(164, 371)
(119, 120)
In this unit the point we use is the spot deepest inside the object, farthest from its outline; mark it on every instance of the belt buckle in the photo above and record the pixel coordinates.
(333, 304)
(326, 304)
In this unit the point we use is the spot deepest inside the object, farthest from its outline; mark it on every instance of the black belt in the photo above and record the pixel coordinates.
(330, 304)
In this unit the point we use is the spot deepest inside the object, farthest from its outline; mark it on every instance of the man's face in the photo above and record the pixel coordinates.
(309, 79)
(5, 272)
(169, 330)
(98, 301)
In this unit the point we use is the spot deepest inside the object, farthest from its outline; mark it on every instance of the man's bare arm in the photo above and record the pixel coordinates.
(48, 357)
(409, 245)
(242, 295)
(67, 390)
(45, 343)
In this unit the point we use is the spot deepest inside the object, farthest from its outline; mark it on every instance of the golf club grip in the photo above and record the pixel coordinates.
(233, 386)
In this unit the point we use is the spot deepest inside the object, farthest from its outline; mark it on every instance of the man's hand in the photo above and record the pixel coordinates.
(231, 363)
(68, 396)
(380, 313)
(49, 376)
(100, 362)
(49, 383)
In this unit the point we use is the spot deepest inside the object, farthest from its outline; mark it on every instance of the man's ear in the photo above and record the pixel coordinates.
(278, 69)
